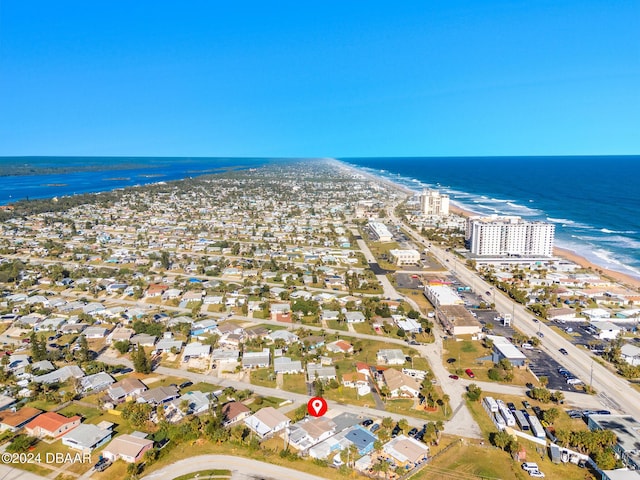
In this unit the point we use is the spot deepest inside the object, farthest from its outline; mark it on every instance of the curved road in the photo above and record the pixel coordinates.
(242, 468)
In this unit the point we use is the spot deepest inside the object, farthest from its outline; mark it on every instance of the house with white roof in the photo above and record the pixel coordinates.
(195, 350)
(606, 330)
(287, 365)
(630, 354)
(267, 421)
(391, 356)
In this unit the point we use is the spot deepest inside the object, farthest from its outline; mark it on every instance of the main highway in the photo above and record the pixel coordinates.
(615, 392)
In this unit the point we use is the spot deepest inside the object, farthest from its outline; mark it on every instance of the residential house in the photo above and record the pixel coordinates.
(128, 447)
(256, 359)
(233, 412)
(340, 346)
(120, 334)
(284, 335)
(126, 389)
(316, 371)
(280, 312)
(406, 450)
(60, 375)
(158, 395)
(15, 420)
(96, 382)
(168, 345)
(287, 365)
(310, 431)
(195, 350)
(51, 424)
(391, 356)
(267, 421)
(400, 384)
(355, 317)
(87, 437)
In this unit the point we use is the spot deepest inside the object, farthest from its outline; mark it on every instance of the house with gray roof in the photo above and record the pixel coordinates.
(167, 344)
(287, 365)
(96, 382)
(285, 335)
(159, 395)
(60, 375)
(86, 437)
(317, 371)
(256, 359)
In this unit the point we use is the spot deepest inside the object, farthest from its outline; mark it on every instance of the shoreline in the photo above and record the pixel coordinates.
(564, 253)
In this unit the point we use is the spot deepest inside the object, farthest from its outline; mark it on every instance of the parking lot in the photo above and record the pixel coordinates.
(540, 364)
(408, 280)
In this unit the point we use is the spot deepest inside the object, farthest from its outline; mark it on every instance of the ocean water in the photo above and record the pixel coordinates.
(594, 200)
(47, 177)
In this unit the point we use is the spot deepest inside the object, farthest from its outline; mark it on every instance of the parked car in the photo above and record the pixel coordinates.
(469, 372)
(530, 466)
(536, 474)
(102, 465)
(367, 422)
(396, 430)
(526, 404)
(511, 406)
(413, 432)
(185, 385)
(374, 428)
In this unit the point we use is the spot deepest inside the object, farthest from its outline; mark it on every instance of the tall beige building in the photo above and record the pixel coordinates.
(433, 203)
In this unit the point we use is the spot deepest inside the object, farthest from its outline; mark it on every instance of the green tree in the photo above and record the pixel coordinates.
(122, 346)
(141, 362)
(474, 392)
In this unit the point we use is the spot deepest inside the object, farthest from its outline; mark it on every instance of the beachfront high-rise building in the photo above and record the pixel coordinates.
(509, 236)
(433, 203)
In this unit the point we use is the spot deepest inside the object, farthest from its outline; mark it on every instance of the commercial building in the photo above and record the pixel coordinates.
(441, 295)
(433, 203)
(380, 231)
(509, 236)
(405, 257)
(456, 320)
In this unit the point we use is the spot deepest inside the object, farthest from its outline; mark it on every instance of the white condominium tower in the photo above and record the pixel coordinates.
(505, 236)
(433, 203)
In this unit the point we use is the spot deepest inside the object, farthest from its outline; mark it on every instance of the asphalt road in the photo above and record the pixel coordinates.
(616, 392)
(242, 468)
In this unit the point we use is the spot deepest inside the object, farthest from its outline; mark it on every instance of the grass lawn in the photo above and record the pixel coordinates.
(418, 297)
(263, 377)
(204, 474)
(349, 396)
(363, 327)
(472, 462)
(466, 354)
(336, 325)
(294, 382)
(404, 406)
(85, 412)
(202, 387)
(43, 405)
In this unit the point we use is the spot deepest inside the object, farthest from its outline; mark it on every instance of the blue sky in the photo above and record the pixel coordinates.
(319, 78)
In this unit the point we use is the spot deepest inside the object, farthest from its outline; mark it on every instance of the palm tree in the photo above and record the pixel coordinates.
(445, 403)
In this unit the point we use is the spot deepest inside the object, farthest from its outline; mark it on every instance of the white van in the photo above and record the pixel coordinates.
(527, 346)
(530, 467)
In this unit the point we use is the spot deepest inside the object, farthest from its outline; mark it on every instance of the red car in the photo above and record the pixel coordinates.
(454, 377)
(470, 373)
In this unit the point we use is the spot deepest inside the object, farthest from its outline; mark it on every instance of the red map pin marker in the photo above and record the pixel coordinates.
(317, 406)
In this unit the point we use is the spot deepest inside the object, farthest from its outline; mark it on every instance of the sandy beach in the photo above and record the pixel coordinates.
(626, 280)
